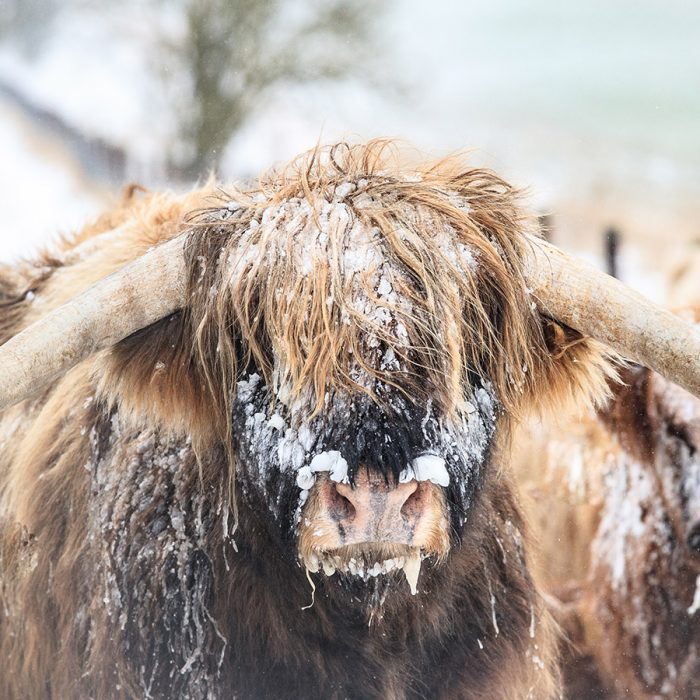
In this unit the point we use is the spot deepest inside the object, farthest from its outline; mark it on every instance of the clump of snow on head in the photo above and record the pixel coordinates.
(331, 461)
(427, 467)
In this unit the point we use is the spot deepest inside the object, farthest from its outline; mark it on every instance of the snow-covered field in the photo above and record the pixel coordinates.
(44, 193)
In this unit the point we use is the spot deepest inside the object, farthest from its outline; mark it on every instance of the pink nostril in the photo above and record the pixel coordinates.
(402, 495)
(409, 497)
(398, 497)
(342, 504)
(346, 491)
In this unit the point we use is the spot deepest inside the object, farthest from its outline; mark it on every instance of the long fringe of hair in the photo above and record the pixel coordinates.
(270, 285)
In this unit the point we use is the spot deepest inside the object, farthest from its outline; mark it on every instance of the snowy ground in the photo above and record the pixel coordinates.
(44, 191)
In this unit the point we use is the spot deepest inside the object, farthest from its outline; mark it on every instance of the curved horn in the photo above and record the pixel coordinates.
(153, 286)
(132, 298)
(595, 304)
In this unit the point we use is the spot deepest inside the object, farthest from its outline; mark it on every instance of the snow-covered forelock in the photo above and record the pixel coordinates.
(308, 233)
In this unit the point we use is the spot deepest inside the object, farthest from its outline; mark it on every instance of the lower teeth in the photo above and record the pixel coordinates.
(410, 565)
(328, 567)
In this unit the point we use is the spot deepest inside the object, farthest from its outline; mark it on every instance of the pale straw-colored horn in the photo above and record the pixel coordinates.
(140, 293)
(153, 287)
(595, 304)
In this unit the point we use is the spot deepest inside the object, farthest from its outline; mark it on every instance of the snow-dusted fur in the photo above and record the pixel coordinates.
(343, 276)
(618, 510)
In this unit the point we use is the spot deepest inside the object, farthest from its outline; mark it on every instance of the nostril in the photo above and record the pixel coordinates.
(342, 504)
(412, 499)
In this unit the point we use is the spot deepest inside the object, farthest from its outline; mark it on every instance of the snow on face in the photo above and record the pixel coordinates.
(282, 449)
(426, 468)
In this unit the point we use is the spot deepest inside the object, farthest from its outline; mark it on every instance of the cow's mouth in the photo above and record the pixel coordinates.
(376, 528)
(370, 560)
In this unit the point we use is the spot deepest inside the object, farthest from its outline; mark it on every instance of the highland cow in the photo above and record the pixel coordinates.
(622, 543)
(295, 483)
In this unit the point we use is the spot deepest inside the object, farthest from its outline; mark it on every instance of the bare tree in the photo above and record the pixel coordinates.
(233, 52)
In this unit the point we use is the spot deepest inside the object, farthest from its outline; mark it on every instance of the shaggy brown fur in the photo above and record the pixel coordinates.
(119, 575)
(618, 512)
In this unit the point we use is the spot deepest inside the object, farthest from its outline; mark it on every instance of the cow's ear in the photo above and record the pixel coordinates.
(559, 338)
(575, 371)
(20, 284)
(632, 412)
(153, 376)
(14, 291)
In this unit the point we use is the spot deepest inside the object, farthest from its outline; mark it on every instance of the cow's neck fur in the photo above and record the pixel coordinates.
(445, 642)
(171, 591)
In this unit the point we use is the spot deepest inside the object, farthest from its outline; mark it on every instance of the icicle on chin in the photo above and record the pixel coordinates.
(411, 569)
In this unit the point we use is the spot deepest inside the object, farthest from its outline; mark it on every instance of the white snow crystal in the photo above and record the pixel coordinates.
(276, 422)
(430, 467)
(695, 605)
(384, 288)
(407, 475)
(427, 467)
(493, 612)
(333, 462)
(344, 189)
(247, 387)
(305, 437)
(305, 478)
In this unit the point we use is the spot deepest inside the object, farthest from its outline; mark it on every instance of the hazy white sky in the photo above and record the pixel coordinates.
(545, 90)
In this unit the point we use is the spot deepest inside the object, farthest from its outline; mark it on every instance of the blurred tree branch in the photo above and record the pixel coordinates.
(231, 53)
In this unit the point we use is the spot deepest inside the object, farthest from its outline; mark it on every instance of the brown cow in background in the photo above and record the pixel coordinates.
(616, 503)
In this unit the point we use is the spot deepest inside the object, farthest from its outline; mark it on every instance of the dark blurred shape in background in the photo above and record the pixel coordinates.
(612, 249)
